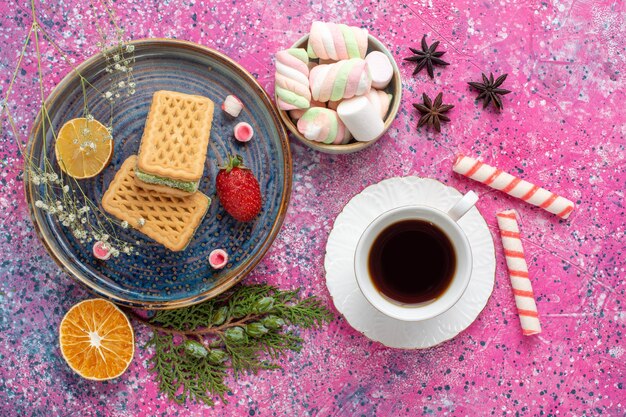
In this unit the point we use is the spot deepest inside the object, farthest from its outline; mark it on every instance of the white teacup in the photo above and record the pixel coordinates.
(447, 222)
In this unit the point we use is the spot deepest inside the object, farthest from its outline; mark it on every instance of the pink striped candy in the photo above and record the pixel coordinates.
(518, 272)
(513, 186)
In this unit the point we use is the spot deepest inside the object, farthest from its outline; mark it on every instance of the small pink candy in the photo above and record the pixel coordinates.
(243, 132)
(218, 258)
(232, 105)
(101, 251)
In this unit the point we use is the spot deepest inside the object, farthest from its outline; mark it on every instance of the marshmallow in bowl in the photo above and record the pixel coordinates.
(362, 118)
(320, 124)
(344, 79)
(331, 41)
(380, 69)
(380, 99)
(297, 113)
(292, 79)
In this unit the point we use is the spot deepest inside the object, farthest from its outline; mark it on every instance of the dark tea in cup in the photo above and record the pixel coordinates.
(412, 261)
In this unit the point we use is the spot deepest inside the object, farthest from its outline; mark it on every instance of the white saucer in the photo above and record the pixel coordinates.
(341, 280)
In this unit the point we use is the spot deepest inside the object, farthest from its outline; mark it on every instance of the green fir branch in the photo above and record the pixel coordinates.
(241, 331)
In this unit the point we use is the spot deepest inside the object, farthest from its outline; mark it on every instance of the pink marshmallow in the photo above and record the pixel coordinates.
(101, 251)
(218, 258)
(243, 132)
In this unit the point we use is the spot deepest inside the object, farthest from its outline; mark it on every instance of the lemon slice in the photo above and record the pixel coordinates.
(83, 148)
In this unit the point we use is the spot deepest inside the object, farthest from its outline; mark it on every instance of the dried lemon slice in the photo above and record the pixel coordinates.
(97, 340)
(83, 148)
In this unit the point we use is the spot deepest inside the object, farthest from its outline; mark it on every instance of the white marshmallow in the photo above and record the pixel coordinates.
(362, 118)
(380, 68)
(381, 100)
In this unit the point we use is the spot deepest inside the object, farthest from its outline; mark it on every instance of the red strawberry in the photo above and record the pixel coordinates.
(238, 190)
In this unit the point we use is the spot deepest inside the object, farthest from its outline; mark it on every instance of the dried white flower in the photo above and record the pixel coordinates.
(130, 48)
(39, 204)
(116, 57)
(104, 238)
(121, 84)
(90, 118)
(35, 179)
(115, 252)
(108, 94)
(89, 144)
(141, 221)
(66, 189)
(124, 224)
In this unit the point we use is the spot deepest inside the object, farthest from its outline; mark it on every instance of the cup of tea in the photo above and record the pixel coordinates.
(414, 262)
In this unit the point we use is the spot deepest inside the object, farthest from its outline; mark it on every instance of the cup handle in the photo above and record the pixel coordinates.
(463, 206)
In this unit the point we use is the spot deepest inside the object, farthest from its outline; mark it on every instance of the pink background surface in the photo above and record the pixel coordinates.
(564, 127)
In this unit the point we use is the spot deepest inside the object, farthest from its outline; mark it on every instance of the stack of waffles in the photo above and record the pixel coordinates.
(156, 191)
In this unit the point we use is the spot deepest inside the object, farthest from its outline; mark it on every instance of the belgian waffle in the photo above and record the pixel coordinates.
(171, 221)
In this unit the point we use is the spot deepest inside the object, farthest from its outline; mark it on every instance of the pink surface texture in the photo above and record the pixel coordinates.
(562, 127)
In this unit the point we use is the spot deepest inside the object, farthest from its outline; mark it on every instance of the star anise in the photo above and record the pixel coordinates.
(432, 112)
(426, 57)
(489, 90)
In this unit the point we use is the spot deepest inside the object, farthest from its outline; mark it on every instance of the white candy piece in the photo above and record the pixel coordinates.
(232, 105)
(380, 68)
(362, 118)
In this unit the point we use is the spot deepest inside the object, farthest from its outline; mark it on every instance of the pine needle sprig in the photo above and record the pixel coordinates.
(241, 331)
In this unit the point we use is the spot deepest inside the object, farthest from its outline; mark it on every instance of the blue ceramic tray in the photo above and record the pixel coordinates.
(155, 277)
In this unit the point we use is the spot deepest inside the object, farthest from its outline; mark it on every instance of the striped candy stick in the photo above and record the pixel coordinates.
(518, 272)
(513, 186)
